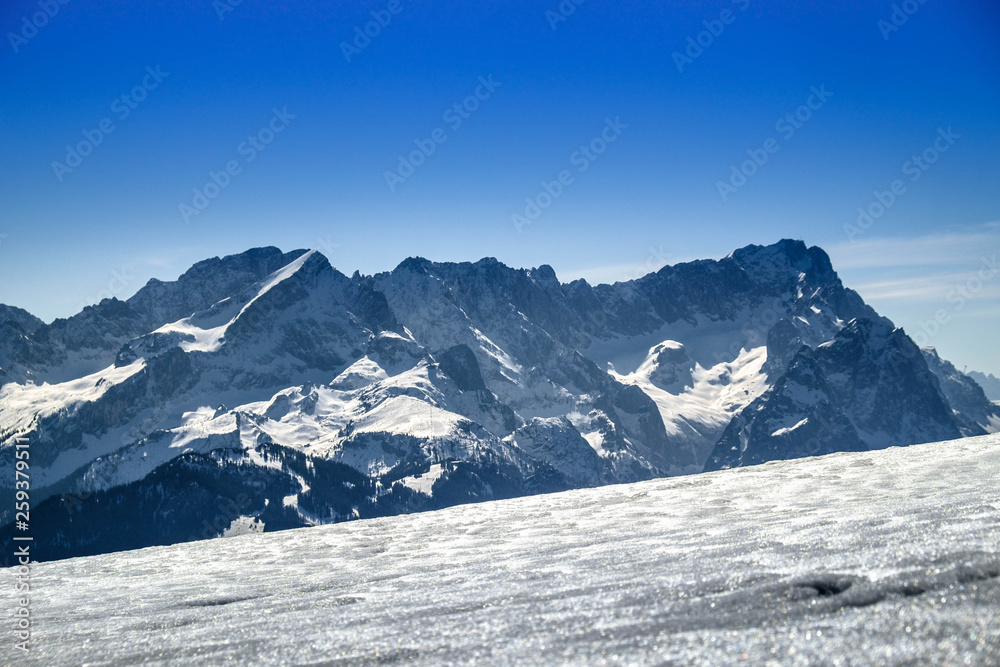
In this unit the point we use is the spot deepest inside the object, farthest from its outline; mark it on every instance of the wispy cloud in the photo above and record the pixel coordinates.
(174, 259)
(939, 287)
(954, 247)
(930, 287)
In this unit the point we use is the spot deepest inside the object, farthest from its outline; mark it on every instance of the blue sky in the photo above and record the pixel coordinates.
(309, 135)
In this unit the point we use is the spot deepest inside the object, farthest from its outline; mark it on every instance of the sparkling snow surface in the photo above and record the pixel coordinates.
(889, 557)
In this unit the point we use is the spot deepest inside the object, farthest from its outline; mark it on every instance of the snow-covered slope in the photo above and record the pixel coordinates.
(438, 383)
(874, 558)
(695, 403)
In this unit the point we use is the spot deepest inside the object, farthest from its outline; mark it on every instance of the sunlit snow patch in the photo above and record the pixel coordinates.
(785, 431)
(697, 403)
(244, 525)
(423, 483)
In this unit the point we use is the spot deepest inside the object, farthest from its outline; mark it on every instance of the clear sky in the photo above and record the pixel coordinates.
(310, 115)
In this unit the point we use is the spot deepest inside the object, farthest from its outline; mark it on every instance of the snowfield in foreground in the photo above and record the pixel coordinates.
(888, 557)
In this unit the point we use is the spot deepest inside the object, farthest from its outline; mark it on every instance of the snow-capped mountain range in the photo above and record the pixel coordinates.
(267, 390)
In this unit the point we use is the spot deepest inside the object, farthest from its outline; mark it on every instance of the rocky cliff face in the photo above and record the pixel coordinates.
(867, 388)
(275, 384)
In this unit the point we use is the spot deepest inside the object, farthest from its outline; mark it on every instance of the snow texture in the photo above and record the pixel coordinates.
(887, 557)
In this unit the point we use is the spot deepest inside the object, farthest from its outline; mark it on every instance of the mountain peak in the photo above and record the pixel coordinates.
(784, 260)
(413, 265)
(544, 273)
(263, 260)
(23, 318)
